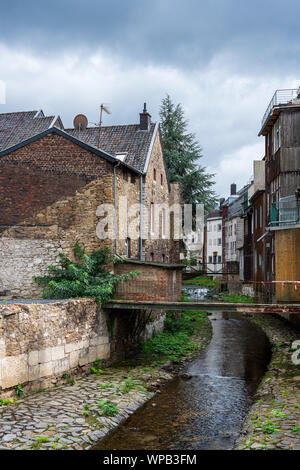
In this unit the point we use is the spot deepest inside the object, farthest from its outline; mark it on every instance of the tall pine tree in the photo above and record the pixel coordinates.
(182, 153)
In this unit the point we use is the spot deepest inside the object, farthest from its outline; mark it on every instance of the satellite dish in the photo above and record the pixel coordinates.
(80, 122)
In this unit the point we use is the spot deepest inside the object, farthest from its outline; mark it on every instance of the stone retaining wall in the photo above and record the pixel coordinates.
(39, 343)
(42, 342)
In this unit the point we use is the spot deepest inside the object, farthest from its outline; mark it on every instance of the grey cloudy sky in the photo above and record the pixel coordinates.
(221, 59)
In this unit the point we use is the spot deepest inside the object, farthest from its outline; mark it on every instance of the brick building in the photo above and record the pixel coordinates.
(53, 180)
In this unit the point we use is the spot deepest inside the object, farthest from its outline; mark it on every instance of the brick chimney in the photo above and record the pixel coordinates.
(145, 119)
(233, 189)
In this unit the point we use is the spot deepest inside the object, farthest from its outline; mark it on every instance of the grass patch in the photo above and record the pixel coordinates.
(7, 401)
(237, 299)
(127, 386)
(296, 429)
(37, 443)
(108, 408)
(174, 342)
(269, 427)
(201, 281)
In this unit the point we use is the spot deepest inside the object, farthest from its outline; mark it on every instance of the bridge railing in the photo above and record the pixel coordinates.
(221, 290)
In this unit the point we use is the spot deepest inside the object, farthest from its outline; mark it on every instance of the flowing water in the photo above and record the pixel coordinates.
(206, 411)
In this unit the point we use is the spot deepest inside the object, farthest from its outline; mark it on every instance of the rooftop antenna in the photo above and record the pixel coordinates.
(107, 111)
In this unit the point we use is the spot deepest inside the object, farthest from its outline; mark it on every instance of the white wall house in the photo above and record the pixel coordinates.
(234, 238)
(214, 244)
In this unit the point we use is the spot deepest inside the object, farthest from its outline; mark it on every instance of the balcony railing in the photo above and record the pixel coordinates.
(285, 212)
(280, 97)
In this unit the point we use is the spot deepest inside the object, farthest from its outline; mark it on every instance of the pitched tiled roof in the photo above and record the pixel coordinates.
(19, 126)
(127, 139)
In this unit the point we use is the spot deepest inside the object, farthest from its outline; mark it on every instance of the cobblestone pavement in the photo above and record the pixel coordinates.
(274, 419)
(71, 416)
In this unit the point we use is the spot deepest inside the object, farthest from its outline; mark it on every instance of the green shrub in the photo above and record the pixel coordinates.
(88, 277)
(19, 390)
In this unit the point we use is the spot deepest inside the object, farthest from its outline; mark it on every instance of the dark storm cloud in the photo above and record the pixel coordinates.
(222, 59)
(178, 33)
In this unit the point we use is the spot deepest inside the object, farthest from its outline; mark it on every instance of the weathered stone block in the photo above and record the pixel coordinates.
(92, 353)
(74, 359)
(14, 370)
(34, 372)
(2, 348)
(61, 365)
(46, 369)
(33, 358)
(45, 355)
(99, 340)
(58, 352)
(103, 351)
(70, 347)
(83, 357)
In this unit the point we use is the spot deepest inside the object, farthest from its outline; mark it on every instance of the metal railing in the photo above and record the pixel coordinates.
(285, 212)
(280, 97)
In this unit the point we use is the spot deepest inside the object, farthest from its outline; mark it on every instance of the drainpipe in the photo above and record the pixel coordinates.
(141, 219)
(115, 214)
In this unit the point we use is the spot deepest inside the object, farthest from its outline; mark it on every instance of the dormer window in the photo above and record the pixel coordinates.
(121, 156)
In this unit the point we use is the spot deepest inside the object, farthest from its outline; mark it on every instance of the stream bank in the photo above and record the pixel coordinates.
(274, 418)
(204, 406)
(80, 413)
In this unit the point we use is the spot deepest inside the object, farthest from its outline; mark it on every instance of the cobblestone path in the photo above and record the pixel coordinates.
(69, 416)
(274, 420)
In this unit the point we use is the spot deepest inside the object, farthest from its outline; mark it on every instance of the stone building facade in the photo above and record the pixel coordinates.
(54, 183)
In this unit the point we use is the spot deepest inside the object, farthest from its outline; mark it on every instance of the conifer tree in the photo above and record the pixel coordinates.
(183, 153)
